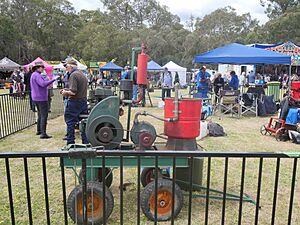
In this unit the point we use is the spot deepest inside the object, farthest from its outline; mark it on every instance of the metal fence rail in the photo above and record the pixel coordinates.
(86, 159)
(15, 113)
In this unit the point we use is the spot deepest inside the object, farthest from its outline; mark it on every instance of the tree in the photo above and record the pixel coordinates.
(7, 37)
(224, 26)
(275, 8)
(280, 29)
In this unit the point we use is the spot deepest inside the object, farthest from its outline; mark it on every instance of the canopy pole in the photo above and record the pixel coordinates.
(290, 80)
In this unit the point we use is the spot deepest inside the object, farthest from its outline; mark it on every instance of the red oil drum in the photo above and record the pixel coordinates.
(295, 90)
(142, 69)
(188, 124)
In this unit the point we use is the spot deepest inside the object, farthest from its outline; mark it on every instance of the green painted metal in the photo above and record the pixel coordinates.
(134, 50)
(274, 89)
(109, 106)
(183, 174)
(292, 154)
(217, 194)
(132, 161)
(91, 174)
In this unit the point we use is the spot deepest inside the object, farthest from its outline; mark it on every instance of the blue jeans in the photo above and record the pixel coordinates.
(74, 109)
(134, 92)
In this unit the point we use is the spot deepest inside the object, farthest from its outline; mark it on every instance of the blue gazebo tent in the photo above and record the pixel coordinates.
(110, 66)
(241, 55)
(153, 66)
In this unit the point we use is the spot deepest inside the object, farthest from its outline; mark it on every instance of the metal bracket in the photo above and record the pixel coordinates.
(77, 151)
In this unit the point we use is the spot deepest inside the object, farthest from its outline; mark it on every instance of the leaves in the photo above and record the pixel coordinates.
(52, 29)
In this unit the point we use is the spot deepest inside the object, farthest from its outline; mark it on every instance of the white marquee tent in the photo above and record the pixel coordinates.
(173, 68)
(80, 66)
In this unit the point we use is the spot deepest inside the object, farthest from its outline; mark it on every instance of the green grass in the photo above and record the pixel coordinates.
(242, 135)
(4, 91)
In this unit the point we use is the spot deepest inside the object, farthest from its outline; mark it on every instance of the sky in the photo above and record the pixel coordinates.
(185, 8)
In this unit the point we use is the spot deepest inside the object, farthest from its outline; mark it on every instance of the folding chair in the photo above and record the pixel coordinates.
(229, 103)
(249, 104)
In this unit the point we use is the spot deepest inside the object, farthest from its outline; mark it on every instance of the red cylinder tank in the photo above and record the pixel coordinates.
(142, 68)
(295, 90)
(188, 124)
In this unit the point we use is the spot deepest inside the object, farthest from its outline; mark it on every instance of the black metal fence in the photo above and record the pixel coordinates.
(16, 114)
(264, 185)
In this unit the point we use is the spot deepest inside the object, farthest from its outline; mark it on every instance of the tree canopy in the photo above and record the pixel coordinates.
(53, 29)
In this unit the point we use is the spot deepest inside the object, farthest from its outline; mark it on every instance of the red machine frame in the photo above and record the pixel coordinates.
(278, 127)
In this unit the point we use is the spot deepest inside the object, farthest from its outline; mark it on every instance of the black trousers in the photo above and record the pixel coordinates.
(32, 105)
(42, 109)
(165, 91)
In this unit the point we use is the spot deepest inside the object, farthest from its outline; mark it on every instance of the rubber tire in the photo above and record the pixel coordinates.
(97, 187)
(108, 181)
(280, 133)
(145, 174)
(162, 184)
(263, 130)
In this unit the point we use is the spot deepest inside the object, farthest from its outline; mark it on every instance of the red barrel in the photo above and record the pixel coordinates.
(295, 90)
(188, 124)
(142, 68)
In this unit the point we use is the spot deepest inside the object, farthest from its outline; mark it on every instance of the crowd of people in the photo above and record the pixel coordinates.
(74, 94)
(74, 86)
(206, 82)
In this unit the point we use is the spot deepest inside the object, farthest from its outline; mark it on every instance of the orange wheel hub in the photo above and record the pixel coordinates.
(164, 202)
(94, 205)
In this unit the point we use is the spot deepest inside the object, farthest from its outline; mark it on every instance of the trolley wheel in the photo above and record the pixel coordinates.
(164, 200)
(108, 175)
(263, 130)
(94, 203)
(280, 134)
(148, 175)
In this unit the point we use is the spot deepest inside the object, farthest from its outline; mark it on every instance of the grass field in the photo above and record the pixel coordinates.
(242, 135)
(4, 91)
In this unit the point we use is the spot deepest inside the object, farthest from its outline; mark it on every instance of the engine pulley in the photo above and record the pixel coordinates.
(105, 131)
(143, 134)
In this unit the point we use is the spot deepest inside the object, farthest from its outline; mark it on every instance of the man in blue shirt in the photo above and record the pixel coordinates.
(251, 77)
(126, 74)
(234, 82)
(203, 80)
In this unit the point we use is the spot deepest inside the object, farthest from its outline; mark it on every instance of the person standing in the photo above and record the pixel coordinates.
(126, 74)
(135, 85)
(27, 77)
(176, 79)
(218, 85)
(50, 91)
(76, 96)
(166, 83)
(39, 93)
(234, 82)
(203, 81)
(251, 79)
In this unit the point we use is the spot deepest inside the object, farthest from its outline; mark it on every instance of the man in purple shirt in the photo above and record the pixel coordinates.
(39, 94)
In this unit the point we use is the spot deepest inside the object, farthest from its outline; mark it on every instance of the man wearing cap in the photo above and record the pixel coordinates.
(39, 94)
(76, 100)
(203, 80)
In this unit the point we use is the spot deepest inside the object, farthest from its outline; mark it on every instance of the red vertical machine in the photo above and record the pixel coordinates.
(141, 79)
(142, 68)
